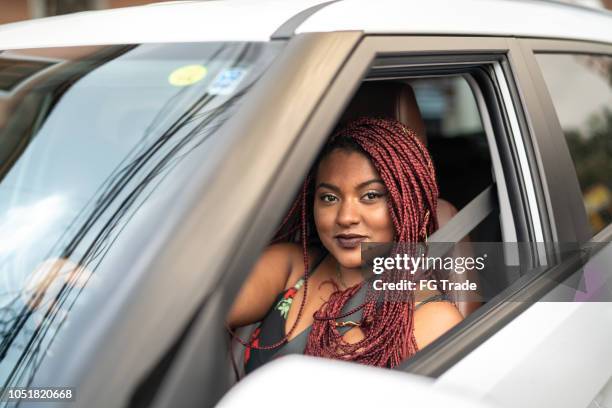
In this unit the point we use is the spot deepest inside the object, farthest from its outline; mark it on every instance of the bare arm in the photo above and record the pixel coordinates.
(433, 320)
(267, 279)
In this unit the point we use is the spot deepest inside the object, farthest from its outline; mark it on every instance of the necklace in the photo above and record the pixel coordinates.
(339, 276)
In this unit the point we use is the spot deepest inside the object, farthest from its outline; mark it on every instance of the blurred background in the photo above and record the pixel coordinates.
(17, 10)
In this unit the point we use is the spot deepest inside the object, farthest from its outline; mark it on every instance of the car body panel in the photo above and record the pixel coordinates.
(463, 17)
(244, 20)
(555, 353)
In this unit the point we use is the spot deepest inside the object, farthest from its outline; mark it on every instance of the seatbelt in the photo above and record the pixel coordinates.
(468, 218)
(463, 222)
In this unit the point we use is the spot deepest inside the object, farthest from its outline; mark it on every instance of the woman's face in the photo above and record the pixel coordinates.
(350, 206)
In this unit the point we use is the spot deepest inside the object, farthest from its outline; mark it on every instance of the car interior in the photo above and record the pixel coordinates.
(444, 113)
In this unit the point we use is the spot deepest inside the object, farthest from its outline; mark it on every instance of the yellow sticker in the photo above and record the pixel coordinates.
(187, 75)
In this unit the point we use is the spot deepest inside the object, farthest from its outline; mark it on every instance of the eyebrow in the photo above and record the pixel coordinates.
(359, 186)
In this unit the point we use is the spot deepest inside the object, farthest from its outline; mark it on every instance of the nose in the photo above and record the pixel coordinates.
(348, 213)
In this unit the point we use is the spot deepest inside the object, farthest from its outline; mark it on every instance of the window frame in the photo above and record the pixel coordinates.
(464, 338)
(478, 50)
(559, 164)
(441, 51)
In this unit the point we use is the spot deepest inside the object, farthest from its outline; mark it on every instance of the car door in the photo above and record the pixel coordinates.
(495, 72)
(559, 346)
(572, 82)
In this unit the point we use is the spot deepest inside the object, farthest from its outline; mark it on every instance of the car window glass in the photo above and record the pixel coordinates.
(448, 107)
(581, 91)
(87, 139)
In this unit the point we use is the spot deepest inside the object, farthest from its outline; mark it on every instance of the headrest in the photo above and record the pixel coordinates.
(393, 100)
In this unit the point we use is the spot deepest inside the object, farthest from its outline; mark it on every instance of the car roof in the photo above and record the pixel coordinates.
(176, 21)
(521, 18)
(259, 20)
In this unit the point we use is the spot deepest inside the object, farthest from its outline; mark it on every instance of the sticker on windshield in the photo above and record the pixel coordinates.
(187, 75)
(227, 81)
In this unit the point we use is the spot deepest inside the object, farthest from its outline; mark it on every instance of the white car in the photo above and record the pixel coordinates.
(147, 154)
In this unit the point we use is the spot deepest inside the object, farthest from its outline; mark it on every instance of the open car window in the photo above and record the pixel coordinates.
(447, 114)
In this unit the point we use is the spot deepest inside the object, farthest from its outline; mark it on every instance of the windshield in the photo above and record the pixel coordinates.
(87, 134)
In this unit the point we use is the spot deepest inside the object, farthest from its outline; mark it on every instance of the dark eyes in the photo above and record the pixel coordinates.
(328, 198)
(367, 197)
(372, 195)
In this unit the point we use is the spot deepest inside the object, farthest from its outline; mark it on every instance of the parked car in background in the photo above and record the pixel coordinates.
(148, 153)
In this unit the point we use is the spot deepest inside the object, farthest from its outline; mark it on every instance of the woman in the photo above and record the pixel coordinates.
(373, 182)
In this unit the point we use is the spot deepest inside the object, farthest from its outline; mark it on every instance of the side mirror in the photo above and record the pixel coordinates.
(303, 381)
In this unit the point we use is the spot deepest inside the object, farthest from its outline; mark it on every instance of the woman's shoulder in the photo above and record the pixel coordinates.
(283, 248)
(288, 252)
(294, 254)
(434, 318)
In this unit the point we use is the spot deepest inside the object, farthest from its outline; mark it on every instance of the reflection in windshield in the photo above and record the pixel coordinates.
(85, 143)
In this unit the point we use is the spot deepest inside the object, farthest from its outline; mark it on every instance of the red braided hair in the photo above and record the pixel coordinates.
(408, 174)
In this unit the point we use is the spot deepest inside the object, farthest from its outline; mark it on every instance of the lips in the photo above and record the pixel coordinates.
(349, 241)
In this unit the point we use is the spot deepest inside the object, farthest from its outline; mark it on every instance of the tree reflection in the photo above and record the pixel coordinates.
(591, 151)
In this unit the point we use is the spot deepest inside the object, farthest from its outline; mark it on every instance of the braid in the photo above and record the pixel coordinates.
(407, 171)
(294, 223)
(408, 174)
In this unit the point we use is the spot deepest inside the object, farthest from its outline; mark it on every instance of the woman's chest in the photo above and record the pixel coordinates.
(318, 294)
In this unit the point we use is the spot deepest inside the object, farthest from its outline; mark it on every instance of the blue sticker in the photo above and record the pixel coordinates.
(227, 81)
